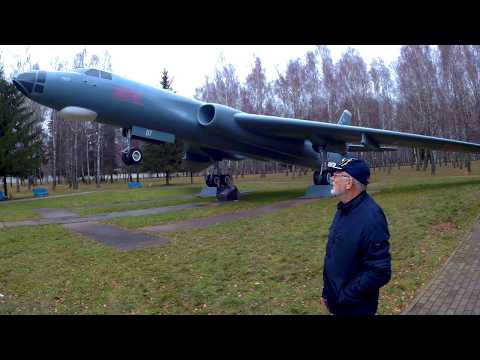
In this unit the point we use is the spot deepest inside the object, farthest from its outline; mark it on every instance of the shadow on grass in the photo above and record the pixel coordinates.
(261, 196)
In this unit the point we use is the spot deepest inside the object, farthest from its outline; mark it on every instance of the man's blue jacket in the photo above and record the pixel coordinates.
(357, 261)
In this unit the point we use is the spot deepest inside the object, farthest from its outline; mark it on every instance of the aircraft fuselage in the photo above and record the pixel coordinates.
(125, 103)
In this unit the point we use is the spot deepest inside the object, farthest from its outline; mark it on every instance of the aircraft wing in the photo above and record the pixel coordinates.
(325, 134)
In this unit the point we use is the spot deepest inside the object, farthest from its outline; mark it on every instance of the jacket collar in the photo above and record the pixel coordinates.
(349, 206)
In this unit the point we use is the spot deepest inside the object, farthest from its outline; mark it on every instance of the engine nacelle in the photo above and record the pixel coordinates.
(218, 118)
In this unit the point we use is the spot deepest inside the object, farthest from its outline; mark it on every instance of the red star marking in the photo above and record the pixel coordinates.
(127, 95)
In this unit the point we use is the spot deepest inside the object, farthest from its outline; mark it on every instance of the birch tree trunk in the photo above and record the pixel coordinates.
(75, 162)
(54, 153)
(99, 140)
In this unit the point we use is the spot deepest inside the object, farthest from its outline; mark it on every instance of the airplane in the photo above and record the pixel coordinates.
(211, 132)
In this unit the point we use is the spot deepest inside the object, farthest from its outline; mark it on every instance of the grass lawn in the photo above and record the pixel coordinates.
(270, 264)
(89, 200)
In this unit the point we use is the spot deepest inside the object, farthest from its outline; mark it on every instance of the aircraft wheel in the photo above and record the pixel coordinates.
(226, 180)
(208, 180)
(216, 180)
(136, 156)
(325, 178)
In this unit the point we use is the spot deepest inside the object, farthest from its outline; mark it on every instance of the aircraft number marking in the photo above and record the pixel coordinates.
(148, 133)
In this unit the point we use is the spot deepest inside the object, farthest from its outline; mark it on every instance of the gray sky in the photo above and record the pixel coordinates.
(189, 65)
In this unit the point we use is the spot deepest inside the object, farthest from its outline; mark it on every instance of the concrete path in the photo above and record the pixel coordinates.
(101, 217)
(55, 213)
(129, 240)
(455, 289)
(113, 236)
(198, 223)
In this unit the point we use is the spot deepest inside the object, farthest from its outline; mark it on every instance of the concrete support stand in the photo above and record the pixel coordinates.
(318, 191)
(208, 191)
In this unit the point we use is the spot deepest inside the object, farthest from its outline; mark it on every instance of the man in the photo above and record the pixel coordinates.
(357, 260)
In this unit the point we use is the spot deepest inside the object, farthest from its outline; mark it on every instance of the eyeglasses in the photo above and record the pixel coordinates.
(340, 175)
(335, 175)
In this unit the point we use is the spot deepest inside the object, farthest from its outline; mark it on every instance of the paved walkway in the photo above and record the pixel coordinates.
(125, 240)
(455, 290)
(101, 217)
(110, 235)
(212, 220)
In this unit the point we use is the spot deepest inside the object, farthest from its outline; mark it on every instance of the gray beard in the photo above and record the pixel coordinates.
(336, 194)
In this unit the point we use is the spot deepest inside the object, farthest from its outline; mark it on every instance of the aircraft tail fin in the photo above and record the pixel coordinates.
(346, 118)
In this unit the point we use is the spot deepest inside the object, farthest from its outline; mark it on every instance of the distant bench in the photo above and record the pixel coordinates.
(40, 192)
(135, 184)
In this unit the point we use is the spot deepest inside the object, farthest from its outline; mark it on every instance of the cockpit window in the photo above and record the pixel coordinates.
(106, 75)
(39, 88)
(27, 85)
(42, 75)
(93, 72)
(28, 76)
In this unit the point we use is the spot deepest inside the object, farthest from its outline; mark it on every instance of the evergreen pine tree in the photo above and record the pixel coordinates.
(20, 134)
(164, 157)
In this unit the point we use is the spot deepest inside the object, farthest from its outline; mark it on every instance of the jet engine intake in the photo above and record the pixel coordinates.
(217, 117)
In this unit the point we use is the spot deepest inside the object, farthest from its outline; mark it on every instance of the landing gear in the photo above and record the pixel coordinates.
(322, 177)
(225, 190)
(212, 180)
(131, 156)
(322, 187)
(218, 180)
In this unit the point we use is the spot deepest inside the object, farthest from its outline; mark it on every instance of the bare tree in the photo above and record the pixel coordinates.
(329, 85)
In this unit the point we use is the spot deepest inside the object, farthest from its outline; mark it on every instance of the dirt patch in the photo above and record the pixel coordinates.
(443, 228)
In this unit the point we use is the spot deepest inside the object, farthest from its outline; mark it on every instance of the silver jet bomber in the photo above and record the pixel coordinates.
(211, 132)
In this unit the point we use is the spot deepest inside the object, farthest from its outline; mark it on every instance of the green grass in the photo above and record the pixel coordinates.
(107, 200)
(117, 197)
(269, 264)
(248, 202)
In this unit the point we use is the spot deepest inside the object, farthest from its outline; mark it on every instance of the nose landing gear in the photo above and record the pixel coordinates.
(131, 156)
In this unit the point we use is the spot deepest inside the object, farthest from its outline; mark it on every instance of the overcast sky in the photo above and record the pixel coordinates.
(188, 65)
